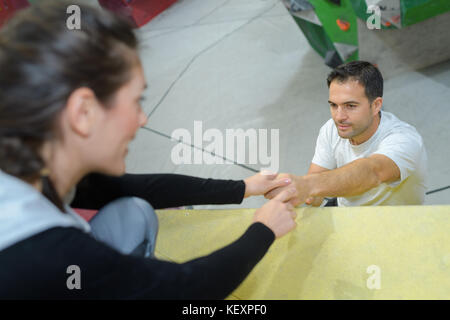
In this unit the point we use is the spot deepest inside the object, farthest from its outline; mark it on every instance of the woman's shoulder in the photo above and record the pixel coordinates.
(24, 212)
(45, 264)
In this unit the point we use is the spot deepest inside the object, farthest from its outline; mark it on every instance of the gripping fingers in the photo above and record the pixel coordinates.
(286, 195)
(293, 214)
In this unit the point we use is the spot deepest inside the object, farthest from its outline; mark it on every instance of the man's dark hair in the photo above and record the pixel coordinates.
(364, 72)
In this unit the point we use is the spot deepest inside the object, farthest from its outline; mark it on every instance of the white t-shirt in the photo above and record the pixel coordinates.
(395, 139)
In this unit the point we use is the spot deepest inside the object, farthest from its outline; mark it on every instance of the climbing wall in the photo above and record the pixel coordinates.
(9, 7)
(338, 30)
(370, 253)
(139, 12)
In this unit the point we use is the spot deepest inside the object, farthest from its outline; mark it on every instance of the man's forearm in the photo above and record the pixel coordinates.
(352, 179)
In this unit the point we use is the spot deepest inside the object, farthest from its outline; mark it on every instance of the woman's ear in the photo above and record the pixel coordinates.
(82, 111)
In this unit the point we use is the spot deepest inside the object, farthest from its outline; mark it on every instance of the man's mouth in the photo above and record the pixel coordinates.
(343, 126)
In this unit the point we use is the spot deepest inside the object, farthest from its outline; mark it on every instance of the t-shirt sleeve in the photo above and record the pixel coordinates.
(324, 155)
(405, 149)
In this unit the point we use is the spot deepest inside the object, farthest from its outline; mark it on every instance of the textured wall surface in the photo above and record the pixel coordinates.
(332, 254)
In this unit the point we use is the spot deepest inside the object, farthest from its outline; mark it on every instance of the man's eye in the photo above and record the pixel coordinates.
(351, 106)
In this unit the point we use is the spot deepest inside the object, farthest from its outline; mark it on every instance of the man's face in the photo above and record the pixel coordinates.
(350, 108)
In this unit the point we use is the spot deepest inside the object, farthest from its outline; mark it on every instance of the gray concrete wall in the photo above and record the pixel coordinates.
(410, 48)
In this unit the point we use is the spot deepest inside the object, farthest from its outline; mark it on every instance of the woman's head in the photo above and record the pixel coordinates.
(74, 89)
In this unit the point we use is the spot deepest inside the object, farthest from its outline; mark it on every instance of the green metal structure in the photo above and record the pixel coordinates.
(331, 25)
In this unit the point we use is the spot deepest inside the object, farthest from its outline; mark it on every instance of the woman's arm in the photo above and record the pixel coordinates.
(160, 190)
(171, 190)
(42, 261)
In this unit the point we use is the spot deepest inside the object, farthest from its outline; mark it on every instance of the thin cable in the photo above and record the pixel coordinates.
(437, 190)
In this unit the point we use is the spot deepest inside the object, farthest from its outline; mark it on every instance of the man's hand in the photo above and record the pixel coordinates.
(301, 184)
(263, 182)
(314, 201)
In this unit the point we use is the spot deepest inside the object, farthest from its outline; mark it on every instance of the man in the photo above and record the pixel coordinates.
(363, 156)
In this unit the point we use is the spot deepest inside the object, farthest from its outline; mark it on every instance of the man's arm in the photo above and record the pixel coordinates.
(352, 179)
(314, 168)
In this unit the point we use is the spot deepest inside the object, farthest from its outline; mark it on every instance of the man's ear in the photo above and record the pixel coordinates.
(377, 104)
(82, 111)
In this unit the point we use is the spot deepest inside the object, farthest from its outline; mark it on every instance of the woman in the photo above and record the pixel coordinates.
(69, 106)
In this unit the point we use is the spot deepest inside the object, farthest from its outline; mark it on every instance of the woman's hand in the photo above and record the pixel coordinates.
(278, 214)
(263, 182)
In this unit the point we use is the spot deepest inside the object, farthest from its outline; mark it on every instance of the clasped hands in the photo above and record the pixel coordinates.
(272, 184)
(285, 192)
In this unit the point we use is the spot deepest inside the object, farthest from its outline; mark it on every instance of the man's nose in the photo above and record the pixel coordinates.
(341, 115)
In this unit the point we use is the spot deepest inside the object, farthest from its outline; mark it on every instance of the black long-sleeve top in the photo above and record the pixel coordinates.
(36, 267)
(160, 190)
